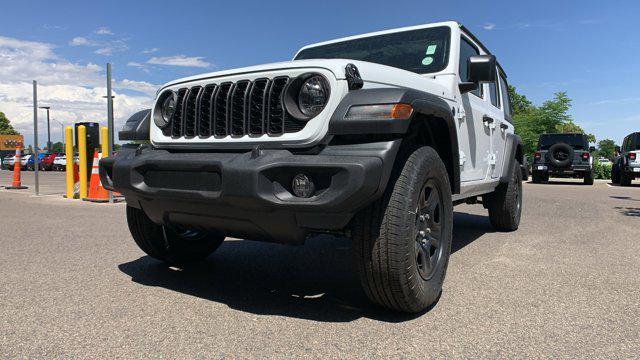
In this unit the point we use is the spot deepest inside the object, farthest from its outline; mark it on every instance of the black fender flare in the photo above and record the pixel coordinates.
(514, 151)
(423, 103)
(136, 128)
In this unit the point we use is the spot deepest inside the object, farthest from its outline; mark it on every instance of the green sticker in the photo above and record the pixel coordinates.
(427, 61)
(431, 49)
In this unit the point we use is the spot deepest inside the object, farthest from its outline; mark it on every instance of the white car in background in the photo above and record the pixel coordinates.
(604, 161)
(60, 162)
(8, 161)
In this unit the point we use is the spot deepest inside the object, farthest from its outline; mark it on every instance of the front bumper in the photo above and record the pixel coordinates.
(249, 194)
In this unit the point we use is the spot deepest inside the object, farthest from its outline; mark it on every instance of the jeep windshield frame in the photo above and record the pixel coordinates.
(422, 51)
(576, 141)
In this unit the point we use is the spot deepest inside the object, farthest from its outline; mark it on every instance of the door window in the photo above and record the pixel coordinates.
(467, 50)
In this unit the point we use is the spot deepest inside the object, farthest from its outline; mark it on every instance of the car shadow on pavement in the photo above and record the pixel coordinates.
(628, 211)
(314, 282)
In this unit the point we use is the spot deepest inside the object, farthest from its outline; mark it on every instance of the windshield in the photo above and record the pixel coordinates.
(576, 141)
(421, 51)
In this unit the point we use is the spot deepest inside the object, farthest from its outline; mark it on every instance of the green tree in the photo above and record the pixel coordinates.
(57, 147)
(5, 126)
(607, 148)
(552, 116)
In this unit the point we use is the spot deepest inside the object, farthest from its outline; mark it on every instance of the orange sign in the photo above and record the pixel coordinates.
(9, 142)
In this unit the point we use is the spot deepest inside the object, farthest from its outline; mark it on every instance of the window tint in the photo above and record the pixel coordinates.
(466, 51)
(421, 51)
(504, 92)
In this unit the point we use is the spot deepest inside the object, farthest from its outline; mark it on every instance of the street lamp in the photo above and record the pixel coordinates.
(48, 128)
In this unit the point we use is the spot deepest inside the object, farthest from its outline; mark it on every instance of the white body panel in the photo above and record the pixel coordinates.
(481, 146)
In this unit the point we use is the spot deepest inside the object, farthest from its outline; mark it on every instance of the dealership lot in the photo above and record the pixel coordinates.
(566, 284)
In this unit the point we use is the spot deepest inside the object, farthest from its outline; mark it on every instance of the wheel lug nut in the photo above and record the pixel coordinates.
(423, 241)
(428, 231)
(421, 233)
(422, 218)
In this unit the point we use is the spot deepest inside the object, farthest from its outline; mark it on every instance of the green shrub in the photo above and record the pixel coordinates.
(602, 171)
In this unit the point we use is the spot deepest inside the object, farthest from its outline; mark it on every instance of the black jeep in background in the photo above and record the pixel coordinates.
(563, 155)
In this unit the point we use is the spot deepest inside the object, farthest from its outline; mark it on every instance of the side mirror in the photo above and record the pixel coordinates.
(592, 148)
(480, 69)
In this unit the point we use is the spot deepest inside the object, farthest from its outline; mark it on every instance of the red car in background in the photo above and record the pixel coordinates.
(46, 163)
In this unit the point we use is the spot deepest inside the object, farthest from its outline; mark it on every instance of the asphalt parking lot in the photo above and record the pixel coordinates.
(73, 284)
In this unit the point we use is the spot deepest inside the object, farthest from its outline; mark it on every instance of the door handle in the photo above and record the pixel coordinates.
(487, 119)
(504, 126)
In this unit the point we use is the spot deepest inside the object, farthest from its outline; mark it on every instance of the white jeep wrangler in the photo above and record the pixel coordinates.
(374, 136)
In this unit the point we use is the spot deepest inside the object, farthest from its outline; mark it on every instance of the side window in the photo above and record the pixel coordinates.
(467, 50)
(493, 94)
(506, 102)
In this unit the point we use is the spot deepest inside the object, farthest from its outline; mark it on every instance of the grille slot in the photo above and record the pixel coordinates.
(257, 105)
(205, 110)
(190, 111)
(275, 124)
(220, 111)
(176, 127)
(238, 106)
(233, 109)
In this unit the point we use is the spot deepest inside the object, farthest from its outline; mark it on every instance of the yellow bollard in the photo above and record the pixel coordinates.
(68, 151)
(105, 141)
(82, 151)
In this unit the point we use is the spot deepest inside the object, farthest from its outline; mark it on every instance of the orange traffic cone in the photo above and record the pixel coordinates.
(97, 193)
(17, 184)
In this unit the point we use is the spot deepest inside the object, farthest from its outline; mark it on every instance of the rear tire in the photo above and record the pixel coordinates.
(170, 245)
(625, 179)
(615, 175)
(505, 202)
(588, 178)
(536, 177)
(402, 241)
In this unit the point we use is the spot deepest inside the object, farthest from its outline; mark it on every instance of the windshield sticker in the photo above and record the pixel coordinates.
(431, 49)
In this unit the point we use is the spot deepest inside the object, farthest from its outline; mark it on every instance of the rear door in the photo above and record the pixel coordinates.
(498, 112)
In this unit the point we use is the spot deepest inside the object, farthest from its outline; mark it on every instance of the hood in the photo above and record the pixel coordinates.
(374, 75)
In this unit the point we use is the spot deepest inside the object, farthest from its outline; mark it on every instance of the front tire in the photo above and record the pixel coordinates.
(505, 202)
(402, 241)
(168, 244)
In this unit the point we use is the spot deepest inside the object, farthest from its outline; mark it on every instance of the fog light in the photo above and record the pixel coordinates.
(302, 186)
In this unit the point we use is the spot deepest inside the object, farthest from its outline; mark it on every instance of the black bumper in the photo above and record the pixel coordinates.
(569, 170)
(249, 194)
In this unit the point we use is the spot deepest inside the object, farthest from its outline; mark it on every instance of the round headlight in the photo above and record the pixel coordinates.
(165, 108)
(168, 108)
(313, 95)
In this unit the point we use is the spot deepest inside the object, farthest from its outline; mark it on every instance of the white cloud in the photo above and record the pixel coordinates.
(74, 91)
(180, 60)
(149, 51)
(103, 31)
(140, 86)
(489, 26)
(80, 41)
(616, 101)
(104, 47)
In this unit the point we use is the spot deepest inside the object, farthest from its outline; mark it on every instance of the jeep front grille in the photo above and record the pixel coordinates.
(233, 109)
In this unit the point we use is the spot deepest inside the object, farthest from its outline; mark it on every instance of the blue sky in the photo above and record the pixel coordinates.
(587, 48)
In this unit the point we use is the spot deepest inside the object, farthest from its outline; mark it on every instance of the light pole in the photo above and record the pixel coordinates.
(48, 128)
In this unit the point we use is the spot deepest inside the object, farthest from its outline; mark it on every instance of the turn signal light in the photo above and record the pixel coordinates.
(379, 112)
(537, 155)
(632, 156)
(585, 156)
